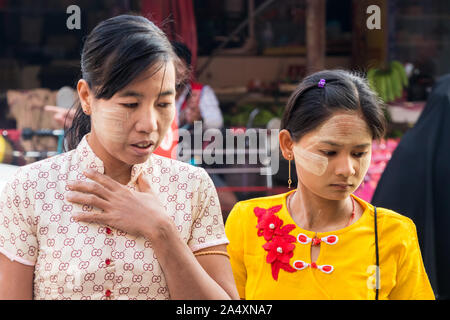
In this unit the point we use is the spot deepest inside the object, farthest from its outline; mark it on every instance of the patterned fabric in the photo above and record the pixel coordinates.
(77, 260)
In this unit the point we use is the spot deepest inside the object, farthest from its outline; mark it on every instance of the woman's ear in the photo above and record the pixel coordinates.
(85, 95)
(286, 144)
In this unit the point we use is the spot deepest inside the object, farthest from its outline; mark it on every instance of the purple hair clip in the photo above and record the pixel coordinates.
(321, 83)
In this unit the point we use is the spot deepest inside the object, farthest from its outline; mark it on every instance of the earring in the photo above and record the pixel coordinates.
(289, 180)
(86, 110)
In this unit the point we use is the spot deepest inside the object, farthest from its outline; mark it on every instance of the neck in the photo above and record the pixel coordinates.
(314, 213)
(113, 168)
(121, 174)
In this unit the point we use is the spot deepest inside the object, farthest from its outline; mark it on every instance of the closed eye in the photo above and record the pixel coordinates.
(328, 153)
(164, 104)
(130, 105)
(359, 154)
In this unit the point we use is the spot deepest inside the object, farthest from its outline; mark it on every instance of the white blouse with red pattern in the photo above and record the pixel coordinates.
(77, 260)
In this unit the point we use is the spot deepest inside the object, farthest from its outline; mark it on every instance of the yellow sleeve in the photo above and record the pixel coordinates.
(412, 280)
(234, 229)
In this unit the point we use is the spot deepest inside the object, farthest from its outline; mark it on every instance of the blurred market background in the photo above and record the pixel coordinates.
(251, 52)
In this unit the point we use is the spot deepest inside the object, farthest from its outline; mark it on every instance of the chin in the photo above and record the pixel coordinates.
(337, 197)
(338, 194)
(139, 159)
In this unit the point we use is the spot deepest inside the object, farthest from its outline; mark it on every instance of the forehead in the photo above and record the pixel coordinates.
(343, 128)
(158, 77)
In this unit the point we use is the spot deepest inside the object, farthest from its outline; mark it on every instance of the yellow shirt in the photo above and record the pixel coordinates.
(345, 267)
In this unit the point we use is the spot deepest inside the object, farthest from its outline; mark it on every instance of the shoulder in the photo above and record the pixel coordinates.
(397, 228)
(36, 176)
(173, 165)
(245, 210)
(263, 202)
(39, 168)
(396, 223)
(176, 170)
(389, 220)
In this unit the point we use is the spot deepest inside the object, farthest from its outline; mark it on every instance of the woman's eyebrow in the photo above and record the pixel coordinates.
(334, 144)
(167, 93)
(130, 93)
(363, 145)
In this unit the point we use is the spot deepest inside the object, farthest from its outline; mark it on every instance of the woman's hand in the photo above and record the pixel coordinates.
(136, 212)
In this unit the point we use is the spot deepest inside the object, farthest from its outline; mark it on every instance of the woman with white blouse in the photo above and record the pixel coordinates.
(109, 219)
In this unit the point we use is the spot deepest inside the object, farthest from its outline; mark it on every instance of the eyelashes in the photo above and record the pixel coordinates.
(130, 105)
(333, 153)
(135, 105)
(360, 154)
(164, 104)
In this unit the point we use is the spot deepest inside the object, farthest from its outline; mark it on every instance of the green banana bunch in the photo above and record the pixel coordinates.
(388, 83)
(401, 71)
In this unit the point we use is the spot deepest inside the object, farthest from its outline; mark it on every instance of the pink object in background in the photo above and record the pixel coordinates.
(381, 154)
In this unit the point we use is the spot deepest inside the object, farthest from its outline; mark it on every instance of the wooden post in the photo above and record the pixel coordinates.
(359, 34)
(369, 47)
(315, 35)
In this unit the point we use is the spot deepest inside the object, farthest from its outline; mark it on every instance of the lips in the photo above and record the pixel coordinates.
(143, 144)
(343, 185)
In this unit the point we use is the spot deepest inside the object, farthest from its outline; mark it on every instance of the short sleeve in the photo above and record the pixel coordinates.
(207, 222)
(412, 280)
(18, 239)
(235, 233)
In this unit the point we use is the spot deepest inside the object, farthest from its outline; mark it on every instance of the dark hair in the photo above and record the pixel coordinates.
(183, 52)
(310, 105)
(115, 52)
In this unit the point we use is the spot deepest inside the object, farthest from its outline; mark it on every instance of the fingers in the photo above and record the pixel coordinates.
(90, 188)
(143, 184)
(99, 218)
(102, 179)
(88, 199)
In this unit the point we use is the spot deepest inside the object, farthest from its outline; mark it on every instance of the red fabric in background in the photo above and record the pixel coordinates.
(168, 146)
(176, 18)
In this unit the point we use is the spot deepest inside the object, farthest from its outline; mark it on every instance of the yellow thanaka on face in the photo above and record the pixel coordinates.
(345, 129)
(111, 120)
(312, 162)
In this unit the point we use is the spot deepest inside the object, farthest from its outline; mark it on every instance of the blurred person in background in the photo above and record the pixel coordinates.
(197, 102)
(416, 182)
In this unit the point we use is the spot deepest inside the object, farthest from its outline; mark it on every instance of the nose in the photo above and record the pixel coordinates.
(148, 120)
(345, 166)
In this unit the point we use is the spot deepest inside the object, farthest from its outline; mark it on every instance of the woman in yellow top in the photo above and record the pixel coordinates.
(320, 241)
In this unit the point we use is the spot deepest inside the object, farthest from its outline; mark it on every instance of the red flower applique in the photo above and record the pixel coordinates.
(279, 244)
(268, 224)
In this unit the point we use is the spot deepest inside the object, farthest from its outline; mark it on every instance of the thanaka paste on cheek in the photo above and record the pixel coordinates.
(364, 163)
(348, 130)
(311, 162)
(110, 122)
(344, 129)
